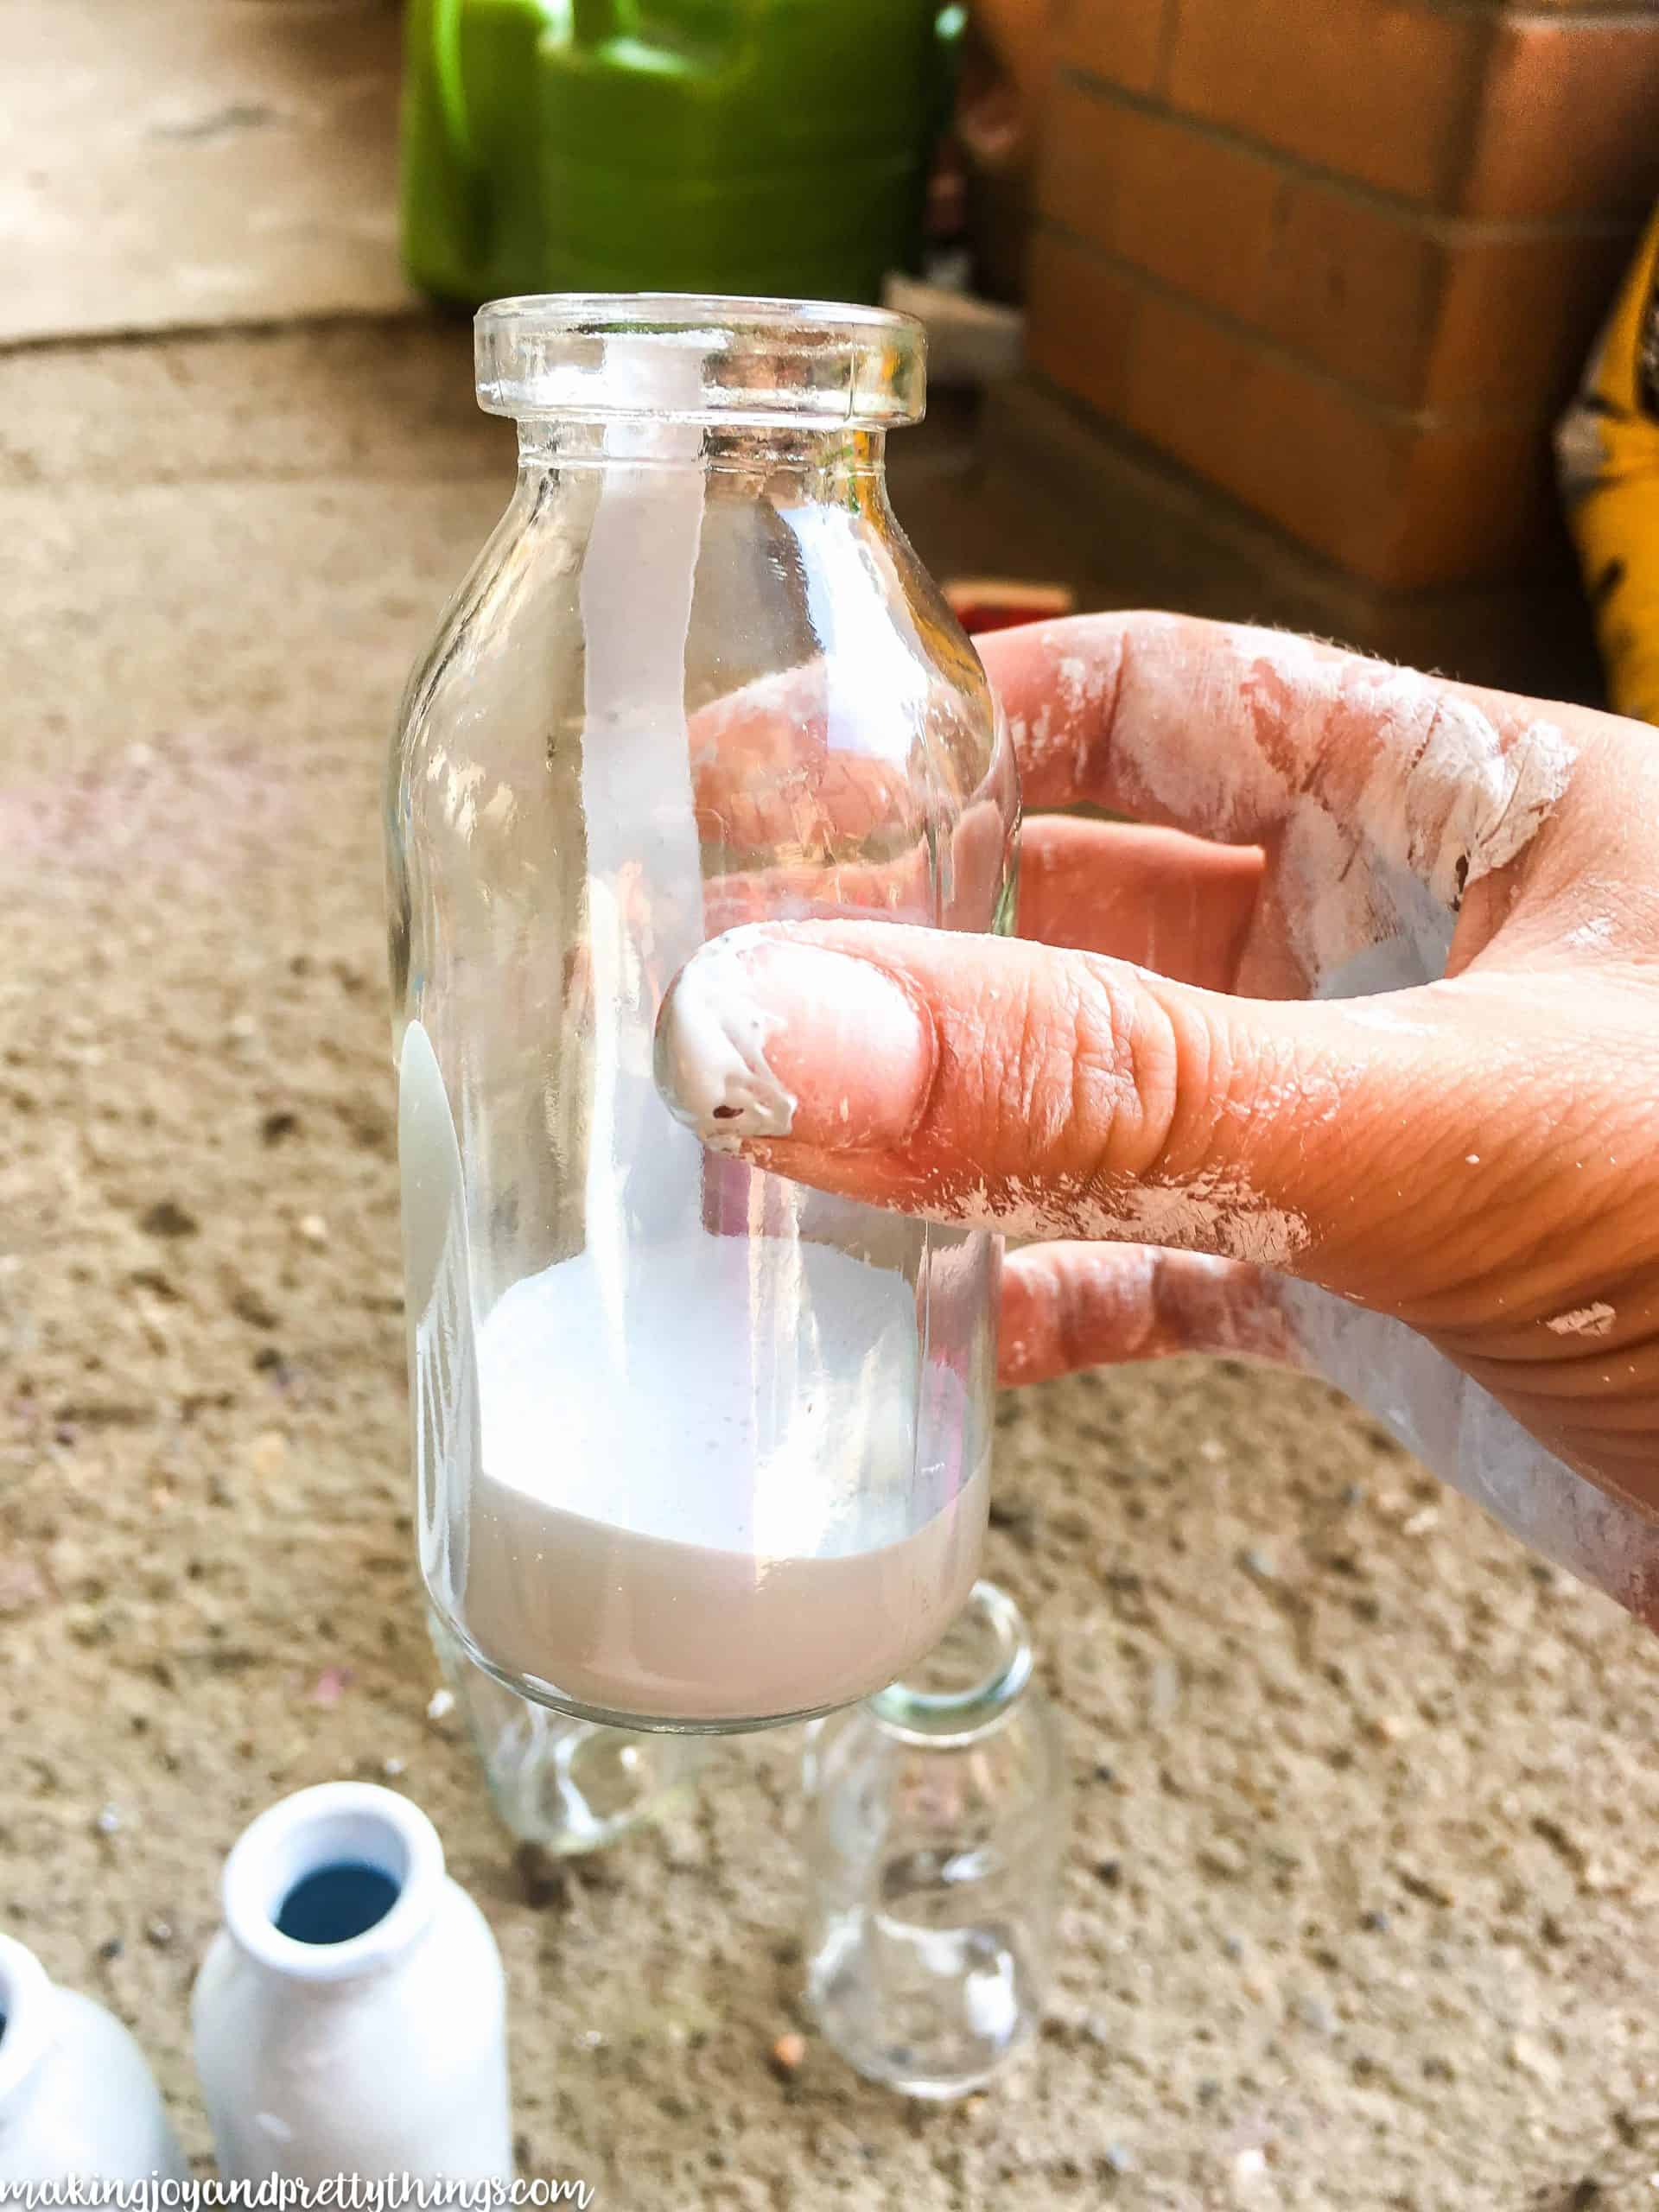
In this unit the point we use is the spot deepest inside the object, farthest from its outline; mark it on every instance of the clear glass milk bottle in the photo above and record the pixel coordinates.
(568, 1785)
(935, 1825)
(696, 1448)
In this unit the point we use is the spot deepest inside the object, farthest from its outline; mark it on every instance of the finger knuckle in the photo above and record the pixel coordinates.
(1090, 1079)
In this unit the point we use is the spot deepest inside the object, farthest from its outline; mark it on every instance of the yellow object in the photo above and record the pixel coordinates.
(1608, 450)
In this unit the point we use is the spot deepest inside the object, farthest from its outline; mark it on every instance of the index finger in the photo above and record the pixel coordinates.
(1244, 735)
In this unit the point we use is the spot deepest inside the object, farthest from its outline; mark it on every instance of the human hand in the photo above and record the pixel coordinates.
(1444, 1194)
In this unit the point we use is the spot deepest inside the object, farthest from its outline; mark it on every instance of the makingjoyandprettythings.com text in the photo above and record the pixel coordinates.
(335, 2193)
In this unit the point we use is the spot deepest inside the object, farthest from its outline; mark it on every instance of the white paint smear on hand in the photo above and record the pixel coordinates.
(1584, 1321)
(1386, 792)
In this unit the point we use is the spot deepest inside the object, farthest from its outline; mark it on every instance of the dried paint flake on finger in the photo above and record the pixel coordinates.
(1583, 1320)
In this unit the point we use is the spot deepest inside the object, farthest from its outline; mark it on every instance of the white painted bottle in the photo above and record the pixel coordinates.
(77, 2100)
(351, 2014)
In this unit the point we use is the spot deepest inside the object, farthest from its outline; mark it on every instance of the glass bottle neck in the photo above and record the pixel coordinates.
(818, 460)
(971, 1681)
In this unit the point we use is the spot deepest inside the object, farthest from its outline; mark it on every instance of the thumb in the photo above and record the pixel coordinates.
(1049, 1093)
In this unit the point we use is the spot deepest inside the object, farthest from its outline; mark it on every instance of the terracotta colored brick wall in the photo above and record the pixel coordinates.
(1344, 258)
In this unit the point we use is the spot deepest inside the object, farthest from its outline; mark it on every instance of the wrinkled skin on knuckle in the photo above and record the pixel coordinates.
(1119, 1063)
(1025, 1079)
(1081, 1090)
(1044, 1080)
(1163, 1056)
(1188, 1075)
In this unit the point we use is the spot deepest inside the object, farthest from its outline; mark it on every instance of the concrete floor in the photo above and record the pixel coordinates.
(1361, 1911)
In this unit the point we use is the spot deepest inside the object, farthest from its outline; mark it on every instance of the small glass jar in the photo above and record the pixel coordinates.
(936, 1825)
(696, 1448)
(568, 1785)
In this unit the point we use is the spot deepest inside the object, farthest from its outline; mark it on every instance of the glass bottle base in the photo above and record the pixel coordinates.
(933, 2012)
(549, 1698)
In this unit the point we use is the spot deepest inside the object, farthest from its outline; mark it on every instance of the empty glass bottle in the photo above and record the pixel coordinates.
(696, 1448)
(936, 1823)
(568, 1785)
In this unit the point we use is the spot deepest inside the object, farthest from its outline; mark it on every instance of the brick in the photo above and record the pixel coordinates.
(1400, 501)
(1478, 504)
(1402, 307)
(1566, 121)
(1337, 278)
(1123, 41)
(1517, 317)
(1159, 538)
(1183, 205)
(1405, 501)
(1474, 112)
(1080, 311)
(1353, 288)
(1426, 315)
(1377, 90)
(1574, 7)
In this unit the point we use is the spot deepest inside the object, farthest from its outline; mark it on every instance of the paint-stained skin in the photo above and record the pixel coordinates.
(1358, 1074)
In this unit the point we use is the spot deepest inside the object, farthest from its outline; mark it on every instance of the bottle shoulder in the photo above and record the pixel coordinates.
(93, 2106)
(456, 1951)
(780, 589)
(401, 2068)
(1023, 1751)
(825, 722)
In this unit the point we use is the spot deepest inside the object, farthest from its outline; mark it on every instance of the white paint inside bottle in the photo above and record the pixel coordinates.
(711, 1521)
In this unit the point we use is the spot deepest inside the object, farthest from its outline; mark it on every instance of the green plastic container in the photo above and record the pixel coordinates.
(775, 147)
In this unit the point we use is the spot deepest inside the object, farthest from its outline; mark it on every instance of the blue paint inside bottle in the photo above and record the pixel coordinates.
(335, 1902)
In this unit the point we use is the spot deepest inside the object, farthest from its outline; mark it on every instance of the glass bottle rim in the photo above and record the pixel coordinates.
(959, 1715)
(673, 357)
